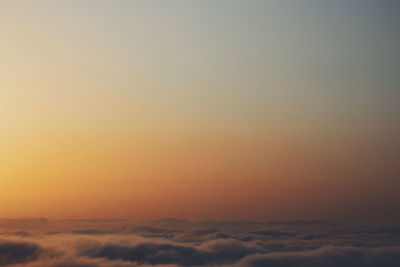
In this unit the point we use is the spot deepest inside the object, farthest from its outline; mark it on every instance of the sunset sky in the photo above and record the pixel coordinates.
(239, 110)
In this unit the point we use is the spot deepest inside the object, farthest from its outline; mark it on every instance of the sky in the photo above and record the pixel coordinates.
(261, 110)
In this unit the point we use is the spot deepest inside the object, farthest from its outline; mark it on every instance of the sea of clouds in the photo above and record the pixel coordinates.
(174, 242)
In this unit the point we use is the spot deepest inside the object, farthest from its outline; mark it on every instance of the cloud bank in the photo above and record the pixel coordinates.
(169, 243)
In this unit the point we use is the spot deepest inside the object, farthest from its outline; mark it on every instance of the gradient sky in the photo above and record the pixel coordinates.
(200, 109)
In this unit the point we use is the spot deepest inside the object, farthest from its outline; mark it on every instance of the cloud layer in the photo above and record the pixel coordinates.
(176, 243)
